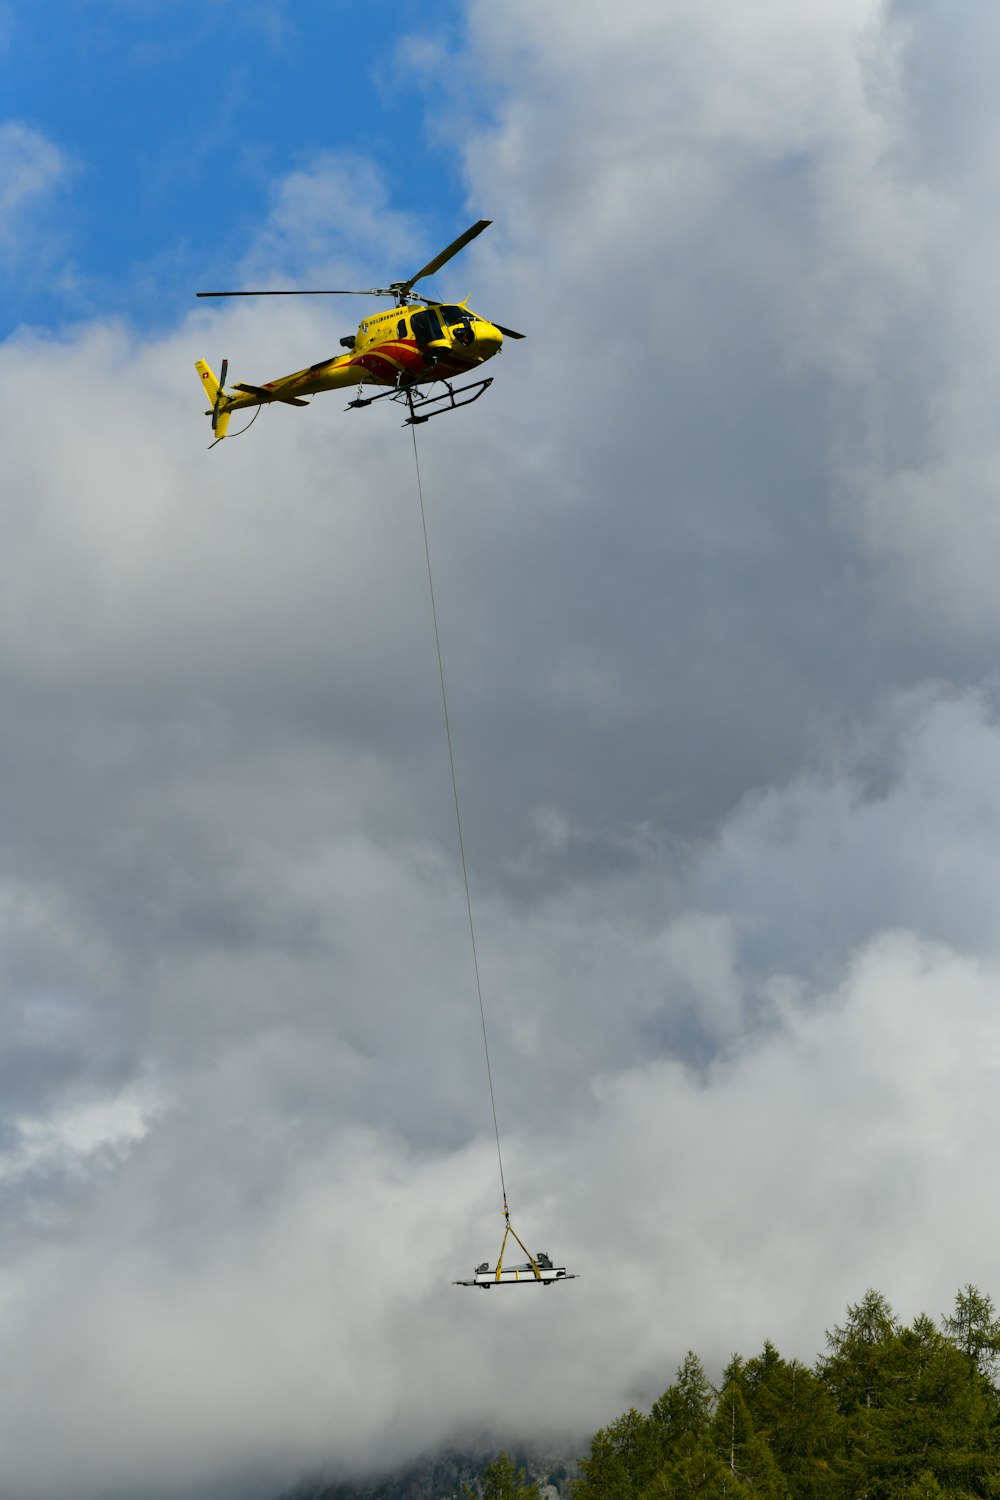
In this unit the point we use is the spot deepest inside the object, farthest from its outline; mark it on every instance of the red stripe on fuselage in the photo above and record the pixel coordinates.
(387, 361)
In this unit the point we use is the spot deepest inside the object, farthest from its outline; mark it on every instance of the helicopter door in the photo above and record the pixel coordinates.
(425, 325)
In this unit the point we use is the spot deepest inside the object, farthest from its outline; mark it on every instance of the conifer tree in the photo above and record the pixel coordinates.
(889, 1413)
(854, 1369)
(975, 1329)
(796, 1415)
(940, 1425)
(695, 1473)
(624, 1456)
(685, 1408)
(737, 1445)
(500, 1480)
(912, 1415)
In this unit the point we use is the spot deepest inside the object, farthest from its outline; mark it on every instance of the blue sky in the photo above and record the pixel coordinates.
(169, 123)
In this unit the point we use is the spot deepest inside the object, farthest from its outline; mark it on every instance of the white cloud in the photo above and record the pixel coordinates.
(331, 219)
(98, 1131)
(842, 1148)
(31, 168)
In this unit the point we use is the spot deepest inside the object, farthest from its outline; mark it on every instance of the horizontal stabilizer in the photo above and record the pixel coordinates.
(265, 395)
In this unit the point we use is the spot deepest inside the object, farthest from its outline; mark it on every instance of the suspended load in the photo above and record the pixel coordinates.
(538, 1271)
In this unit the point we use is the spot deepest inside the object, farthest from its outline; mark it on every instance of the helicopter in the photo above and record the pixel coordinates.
(417, 344)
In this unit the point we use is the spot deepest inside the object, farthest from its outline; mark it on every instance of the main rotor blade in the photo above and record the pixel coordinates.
(375, 291)
(399, 289)
(509, 333)
(446, 255)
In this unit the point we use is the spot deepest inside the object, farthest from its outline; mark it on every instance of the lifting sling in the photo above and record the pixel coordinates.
(511, 1230)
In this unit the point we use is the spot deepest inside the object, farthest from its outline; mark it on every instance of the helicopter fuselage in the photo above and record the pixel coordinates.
(406, 346)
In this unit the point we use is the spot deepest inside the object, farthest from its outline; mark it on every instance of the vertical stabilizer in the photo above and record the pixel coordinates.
(215, 392)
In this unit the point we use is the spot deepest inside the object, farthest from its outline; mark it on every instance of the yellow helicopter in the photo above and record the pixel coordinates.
(419, 343)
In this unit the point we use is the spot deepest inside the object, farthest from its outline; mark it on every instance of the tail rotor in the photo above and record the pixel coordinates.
(220, 409)
(220, 396)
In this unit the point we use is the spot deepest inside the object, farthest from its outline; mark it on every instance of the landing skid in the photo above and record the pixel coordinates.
(421, 407)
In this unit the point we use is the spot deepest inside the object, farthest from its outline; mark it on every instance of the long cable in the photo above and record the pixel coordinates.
(458, 812)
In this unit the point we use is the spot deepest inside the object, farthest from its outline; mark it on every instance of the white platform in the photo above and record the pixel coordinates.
(519, 1276)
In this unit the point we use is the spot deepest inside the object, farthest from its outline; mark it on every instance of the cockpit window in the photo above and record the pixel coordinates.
(453, 315)
(425, 325)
